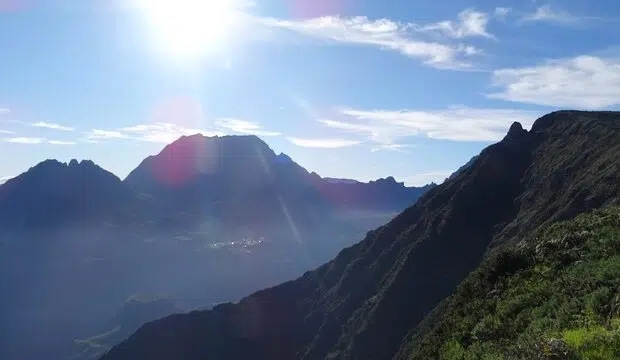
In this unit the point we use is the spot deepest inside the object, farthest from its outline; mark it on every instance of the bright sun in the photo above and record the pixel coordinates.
(191, 28)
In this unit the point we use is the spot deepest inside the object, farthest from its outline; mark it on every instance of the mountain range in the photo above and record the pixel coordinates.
(207, 220)
(389, 296)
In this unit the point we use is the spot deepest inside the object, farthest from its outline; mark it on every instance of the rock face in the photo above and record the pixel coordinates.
(362, 304)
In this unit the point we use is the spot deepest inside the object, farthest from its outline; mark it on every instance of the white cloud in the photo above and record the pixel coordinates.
(385, 34)
(6, 132)
(352, 127)
(4, 111)
(387, 127)
(382, 137)
(393, 147)
(52, 126)
(26, 140)
(546, 14)
(244, 127)
(471, 23)
(323, 143)
(98, 134)
(164, 132)
(587, 82)
(60, 142)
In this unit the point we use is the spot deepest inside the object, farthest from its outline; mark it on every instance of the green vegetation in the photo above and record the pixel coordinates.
(555, 295)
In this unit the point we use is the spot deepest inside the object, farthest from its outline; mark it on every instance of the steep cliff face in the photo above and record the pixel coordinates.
(363, 304)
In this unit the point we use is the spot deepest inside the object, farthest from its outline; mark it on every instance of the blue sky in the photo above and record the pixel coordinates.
(348, 88)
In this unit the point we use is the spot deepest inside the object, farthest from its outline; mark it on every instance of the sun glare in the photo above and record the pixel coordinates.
(191, 28)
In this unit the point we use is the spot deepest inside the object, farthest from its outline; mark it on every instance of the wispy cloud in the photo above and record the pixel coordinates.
(60, 142)
(52, 126)
(4, 111)
(385, 34)
(390, 127)
(26, 140)
(326, 143)
(382, 137)
(163, 132)
(470, 23)
(244, 127)
(403, 148)
(587, 82)
(546, 14)
(347, 126)
(159, 132)
(99, 134)
(6, 132)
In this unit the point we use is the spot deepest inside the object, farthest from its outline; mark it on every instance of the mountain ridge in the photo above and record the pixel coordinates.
(281, 157)
(75, 240)
(363, 303)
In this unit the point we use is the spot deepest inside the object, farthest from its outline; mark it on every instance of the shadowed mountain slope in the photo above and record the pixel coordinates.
(54, 194)
(241, 177)
(363, 304)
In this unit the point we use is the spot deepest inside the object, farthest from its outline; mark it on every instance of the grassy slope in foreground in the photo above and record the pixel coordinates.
(555, 295)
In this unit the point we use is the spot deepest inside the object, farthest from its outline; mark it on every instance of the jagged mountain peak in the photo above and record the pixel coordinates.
(84, 164)
(516, 131)
(50, 169)
(54, 192)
